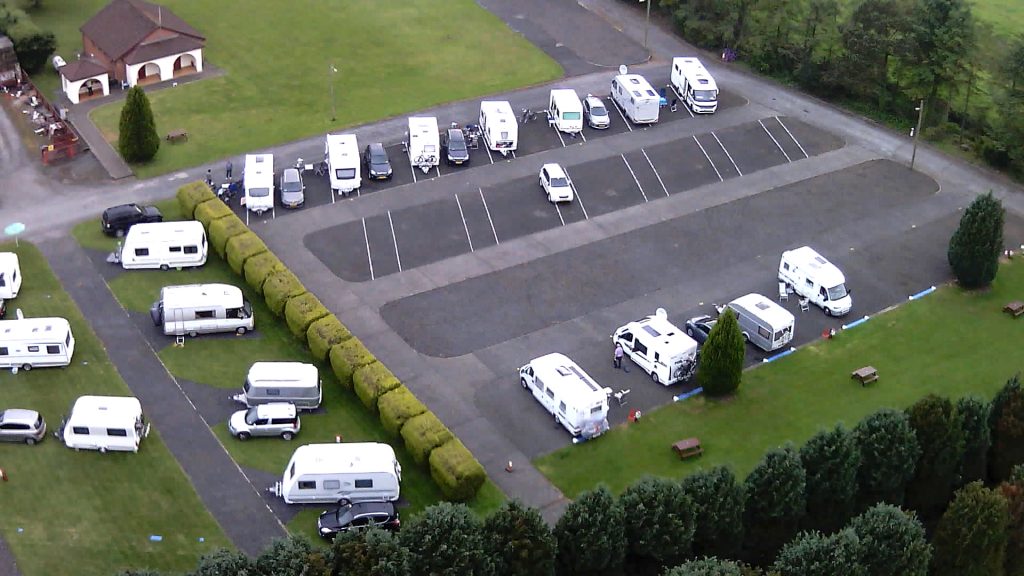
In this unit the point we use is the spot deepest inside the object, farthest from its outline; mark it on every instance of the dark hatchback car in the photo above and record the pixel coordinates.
(456, 152)
(699, 327)
(358, 516)
(378, 166)
(118, 219)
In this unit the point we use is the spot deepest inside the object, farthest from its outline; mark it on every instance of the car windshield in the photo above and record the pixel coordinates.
(705, 95)
(291, 186)
(377, 159)
(598, 111)
(559, 182)
(457, 145)
(259, 192)
(343, 515)
(250, 416)
(837, 292)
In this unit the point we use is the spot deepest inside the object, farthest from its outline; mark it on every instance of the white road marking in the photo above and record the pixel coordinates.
(369, 258)
(488, 150)
(795, 141)
(621, 115)
(720, 179)
(395, 240)
(559, 134)
(513, 153)
(576, 194)
(633, 174)
(438, 170)
(559, 213)
(413, 168)
(788, 159)
(727, 155)
(464, 225)
(486, 209)
(655, 170)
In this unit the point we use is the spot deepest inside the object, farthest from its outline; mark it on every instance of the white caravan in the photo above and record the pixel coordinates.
(659, 348)
(813, 277)
(104, 423)
(163, 245)
(341, 152)
(636, 98)
(295, 382)
(694, 85)
(258, 181)
(568, 393)
(763, 322)
(10, 275)
(333, 473)
(499, 126)
(28, 343)
(565, 111)
(423, 142)
(200, 309)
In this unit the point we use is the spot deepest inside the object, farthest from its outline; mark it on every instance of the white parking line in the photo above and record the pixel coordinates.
(621, 115)
(331, 192)
(720, 179)
(576, 194)
(369, 258)
(788, 159)
(633, 174)
(559, 134)
(464, 225)
(793, 137)
(484, 200)
(727, 155)
(681, 101)
(559, 213)
(513, 153)
(246, 215)
(655, 170)
(395, 240)
(413, 168)
(438, 170)
(488, 150)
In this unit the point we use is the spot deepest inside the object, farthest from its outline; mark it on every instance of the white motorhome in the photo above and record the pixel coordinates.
(200, 309)
(694, 85)
(104, 423)
(423, 142)
(295, 382)
(659, 348)
(568, 393)
(499, 126)
(763, 322)
(163, 245)
(636, 98)
(258, 180)
(28, 343)
(813, 277)
(341, 152)
(10, 275)
(565, 111)
(332, 473)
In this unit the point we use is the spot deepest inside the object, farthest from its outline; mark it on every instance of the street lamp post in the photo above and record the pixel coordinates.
(330, 76)
(917, 132)
(647, 23)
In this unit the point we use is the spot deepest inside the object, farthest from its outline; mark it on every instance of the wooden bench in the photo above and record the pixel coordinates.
(687, 448)
(1015, 308)
(865, 375)
(177, 136)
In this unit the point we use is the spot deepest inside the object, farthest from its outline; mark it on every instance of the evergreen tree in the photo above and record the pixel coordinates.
(1013, 492)
(814, 554)
(721, 359)
(718, 504)
(519, 542)
(446, 538)
(1006, 421)
(971, 537)
(977, 243)
(225, 562)
(775, 504)
(892, 542)
(888, 453)
(590, 535)
(707, 567)
(831, 459)
(293, 556)
(659, 524)
(938, 429)
(974, 414)
(372, 552)
(137, 138)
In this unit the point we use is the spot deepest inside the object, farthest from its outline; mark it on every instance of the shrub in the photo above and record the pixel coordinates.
(456, 471)
(323, 334)
(242, 247)
(975, 246)
(259, 267)
(192, 195)
(221, 229)
(348, 357)
(212, 210)
(137, 140)
(280, 287)
(721, 361)
(396, 407)
(373, 381)
(422, 434)
(301, 311)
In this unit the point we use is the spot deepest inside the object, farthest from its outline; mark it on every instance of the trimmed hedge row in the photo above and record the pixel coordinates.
(212, 210)
(259, 267)
(324, 334)
(422, 434)
(456, 471)
(192, 195)
(242, 247)
(301, 311)
(348, 357)
(222, 229)
(280, 287)
(373, 381)
(397, 407)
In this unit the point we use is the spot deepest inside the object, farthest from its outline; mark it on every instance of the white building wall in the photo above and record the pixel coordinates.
(71, 88)
(166, 65)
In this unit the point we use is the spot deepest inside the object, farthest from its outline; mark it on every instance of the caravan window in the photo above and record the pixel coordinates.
(291, 471)
(174, 249)
(117, 432)
(640, 347)
(364, 483)
(3, 351)
(142, 251)
(205, 314)
(2, 281)
(191, 250)
(570, 116)
(307, 484)
(53, 349)
(33, 348)
(332, 484)
(763, 332)
(780, 334)
(344, 173)
(80, 430)
(551, 394)
(561, 407)
(67, 340)
(595, 409)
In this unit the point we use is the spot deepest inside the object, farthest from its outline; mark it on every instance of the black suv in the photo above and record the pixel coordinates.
(358, 516)
(455, 149)
(118, 219)
(375, 157)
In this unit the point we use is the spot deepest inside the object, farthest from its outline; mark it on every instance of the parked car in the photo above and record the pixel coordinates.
(456, 153)
(292, 188)
(18, 425)
(556, 183)
(699, 327)
(272, 419)
(596, 113)
(375, 158)
(118, 219)
(358, 516)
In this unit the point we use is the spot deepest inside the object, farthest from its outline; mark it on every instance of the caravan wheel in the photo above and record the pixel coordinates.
(103, 449)
(30, 441)
(240, 330)
(243, 435)
(165, 267)
(287, 435)
(523, 382)
(26, 367)
(654, 376)
(193, 334)
(828, 311)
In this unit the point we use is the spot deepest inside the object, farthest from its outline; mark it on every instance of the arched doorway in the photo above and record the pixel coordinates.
(91, 88)
(149, 74)
(184, 64)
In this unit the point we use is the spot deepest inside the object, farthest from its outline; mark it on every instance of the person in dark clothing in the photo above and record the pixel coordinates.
(228, 169)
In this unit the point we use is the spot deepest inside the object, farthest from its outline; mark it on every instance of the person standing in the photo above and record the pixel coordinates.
(209, 177)
(618, 355)
(228, 170)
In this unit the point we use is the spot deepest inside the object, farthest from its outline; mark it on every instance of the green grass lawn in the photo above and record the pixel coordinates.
(1005, 16)
(952, 343)
(392, 58)
(99, 510)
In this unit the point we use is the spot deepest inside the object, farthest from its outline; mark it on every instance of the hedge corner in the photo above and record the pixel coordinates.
(348, 357)
(324, 334)
(223, 229)
(301, 311)
(211, 211)
(242, 247)
(280, 287)
(456, 471)
(396, 407)
(422, 434)
(373, 381)
(192, 195)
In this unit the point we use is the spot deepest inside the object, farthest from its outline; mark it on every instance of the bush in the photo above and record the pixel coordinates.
(456, 471)
(242, 247)
(192, 195)
(259, 267)
(279, 288)
(213, 210)
(373, 381)
(348, 357)
(975, 246)
(721, 361)
(396, 407)
(324, 334)
(221, 229)
(137, 140)
(422, 434)
(32, 45)
(301, 311)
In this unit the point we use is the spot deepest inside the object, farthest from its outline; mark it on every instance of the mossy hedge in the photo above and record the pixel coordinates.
(373, 381)
(324, 334)
(422, 434)
(456, 471)
(211, 211)
(192, 195)
(242, 247)
(221, 229)
(301, 311)
(279, 288)
(396, 407)
(348, 357)
(259, 267)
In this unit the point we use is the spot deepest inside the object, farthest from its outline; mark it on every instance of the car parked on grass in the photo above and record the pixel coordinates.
(272, 419)
(699, 327)
(292, 188)
(19, 425)
(378, 165)
(118, 219)
(595, 113)
(556, 183)
(358, 516)
(456, 153)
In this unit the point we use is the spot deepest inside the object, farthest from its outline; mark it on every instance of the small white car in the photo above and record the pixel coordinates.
(272, 419)
(556, 183)
(596, 113)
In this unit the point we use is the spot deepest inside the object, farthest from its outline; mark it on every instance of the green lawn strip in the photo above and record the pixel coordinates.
(950, 343)
(100, 508)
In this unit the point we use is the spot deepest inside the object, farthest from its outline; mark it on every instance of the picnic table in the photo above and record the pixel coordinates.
(687, 448)
(177, 135)
(1015, 308)
(865, 375)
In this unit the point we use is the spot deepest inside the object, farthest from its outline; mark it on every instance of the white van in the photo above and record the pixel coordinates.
(659, 348)
(763, 322)
(295, 382)
(334, 473)
(499, 126)
(201, 309)
(565, 111)
(104, 423)
(258, 180)
(163, 245)
(813, 277)
(10, 275)
(423, 142)
(568, 393)
(28, 343)
(694, 85)
(636, 98)
(341, 152)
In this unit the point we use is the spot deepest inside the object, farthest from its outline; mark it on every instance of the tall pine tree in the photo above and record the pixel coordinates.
(137, 138)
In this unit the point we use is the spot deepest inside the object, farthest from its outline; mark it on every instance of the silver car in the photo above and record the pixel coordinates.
(17, 425)
(595, 112)
(292, 188)
(273, 419)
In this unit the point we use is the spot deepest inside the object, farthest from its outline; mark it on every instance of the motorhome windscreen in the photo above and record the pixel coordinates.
(705, 95)
(344, 173)
(837, 292)
(259, 192)
(571, 115)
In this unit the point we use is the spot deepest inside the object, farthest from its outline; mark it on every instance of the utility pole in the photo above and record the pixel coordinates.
(647, 24)
(917, 132)
(331, 71)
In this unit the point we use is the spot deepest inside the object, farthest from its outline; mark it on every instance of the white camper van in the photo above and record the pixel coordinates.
(28, 343)
(565, 111)
(636, 98)
(10, 275)
(423, 142)
(813, 277)
(499, 126)
(104, 423)
(568, 393)
(341, 152)
(332, 473)
(163, 245)
(763, 322)
(200, 309)
(659, 348)
(694, 85)
(295, 382)
(258, 181)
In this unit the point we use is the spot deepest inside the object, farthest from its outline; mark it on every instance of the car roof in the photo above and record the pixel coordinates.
(276, 410)
(290, 174)
(455, 133)
(123, 208)
(19, 415)
(371, 507)
(594, 100)
(375, 147)
(554, 169)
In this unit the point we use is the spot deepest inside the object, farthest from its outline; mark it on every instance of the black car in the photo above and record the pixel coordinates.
(378, 166)
(118, 219)
(455, 150)
(357, 516)
(699, 327)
